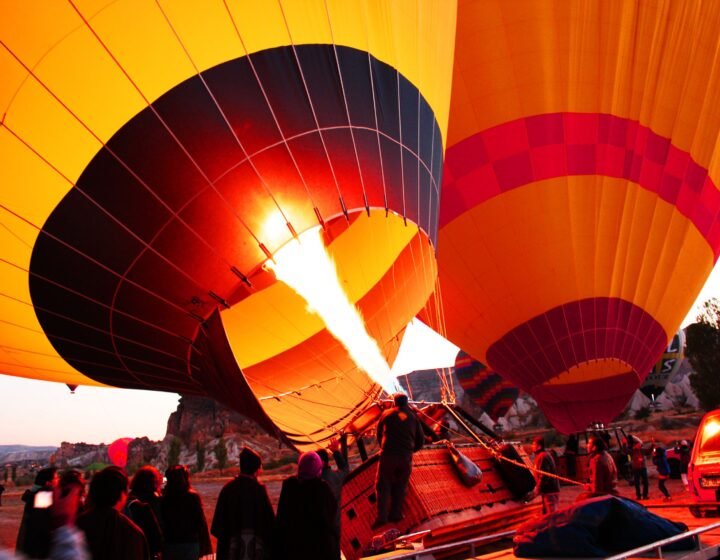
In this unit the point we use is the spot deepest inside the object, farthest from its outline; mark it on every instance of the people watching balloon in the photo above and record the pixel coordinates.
(306, 520)
(143, 506)
(244, 519)
(183, 521)
(334, 477)
(111, 535)
(33, 538)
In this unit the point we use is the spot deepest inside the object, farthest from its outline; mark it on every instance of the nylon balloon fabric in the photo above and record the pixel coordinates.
(580, 211)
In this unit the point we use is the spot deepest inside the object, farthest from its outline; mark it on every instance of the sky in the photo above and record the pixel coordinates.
(42, 413)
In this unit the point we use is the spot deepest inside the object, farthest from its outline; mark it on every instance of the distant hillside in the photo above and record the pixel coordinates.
(19, 453)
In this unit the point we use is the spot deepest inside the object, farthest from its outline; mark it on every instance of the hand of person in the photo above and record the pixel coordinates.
(334, 445)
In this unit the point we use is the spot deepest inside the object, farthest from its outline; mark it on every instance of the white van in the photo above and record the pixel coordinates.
(704, 467)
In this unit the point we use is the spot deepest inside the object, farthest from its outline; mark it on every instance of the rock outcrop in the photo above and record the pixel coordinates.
(200, 425)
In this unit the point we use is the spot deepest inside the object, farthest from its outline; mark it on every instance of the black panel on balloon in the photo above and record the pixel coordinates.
(122, 272)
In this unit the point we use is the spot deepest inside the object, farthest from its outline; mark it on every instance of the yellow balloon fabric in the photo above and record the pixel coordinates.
(150, 150)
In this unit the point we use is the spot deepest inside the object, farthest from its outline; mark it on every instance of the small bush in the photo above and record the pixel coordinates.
(642, 413)
(24, 479)
(281, 462)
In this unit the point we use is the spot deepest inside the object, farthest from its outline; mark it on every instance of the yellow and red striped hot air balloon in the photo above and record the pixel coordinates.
(580, 209)
(156, 154)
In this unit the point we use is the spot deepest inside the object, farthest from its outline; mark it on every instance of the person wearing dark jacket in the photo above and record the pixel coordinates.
(183, 520)
(111, 535)
(546, 485)
(244, 519)
(334, 478)
(305, 525)
(399, 434)
(143, 507)
(603, 472)
(34, 537)
(663, 469)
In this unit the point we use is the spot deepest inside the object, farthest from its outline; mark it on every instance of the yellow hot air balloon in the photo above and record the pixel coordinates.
(580, 210)
(156, 155)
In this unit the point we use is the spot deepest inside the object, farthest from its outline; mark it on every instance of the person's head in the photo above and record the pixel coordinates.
(146, 482)
(596, 444)
(538, 444)
(250, 462)
(400, 399)
(71, 478)
(46, 478)
(324, 457)
(178, 480)
(309, 466)
(72, 481)
(108, 488)
(684, 443)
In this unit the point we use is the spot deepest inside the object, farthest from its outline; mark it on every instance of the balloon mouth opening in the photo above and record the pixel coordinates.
(383, 223)
(591, 370)
(384, 265)
(305, 265)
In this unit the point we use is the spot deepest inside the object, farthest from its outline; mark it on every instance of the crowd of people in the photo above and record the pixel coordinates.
(141, 519)
(138, 519)
(602, 468)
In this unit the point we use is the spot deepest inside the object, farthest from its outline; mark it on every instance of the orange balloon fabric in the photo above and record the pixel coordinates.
(580, 210)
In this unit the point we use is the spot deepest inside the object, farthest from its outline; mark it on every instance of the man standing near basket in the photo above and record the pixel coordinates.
(399, 434)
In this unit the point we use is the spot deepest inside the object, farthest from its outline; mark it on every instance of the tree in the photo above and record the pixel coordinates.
(174, 452)
(703, 351)
(200, 455)
(221, 454)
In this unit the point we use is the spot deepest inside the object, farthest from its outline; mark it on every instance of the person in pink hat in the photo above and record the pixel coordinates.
(305, 526)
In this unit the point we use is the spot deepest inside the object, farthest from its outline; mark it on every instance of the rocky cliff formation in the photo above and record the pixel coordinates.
(200, 424)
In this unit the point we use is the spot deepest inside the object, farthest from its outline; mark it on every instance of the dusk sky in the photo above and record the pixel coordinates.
(43, 413)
